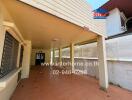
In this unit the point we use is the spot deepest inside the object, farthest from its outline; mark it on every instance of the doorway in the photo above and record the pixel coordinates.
(40, 58)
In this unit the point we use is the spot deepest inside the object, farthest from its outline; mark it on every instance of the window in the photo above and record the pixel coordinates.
(9, 57)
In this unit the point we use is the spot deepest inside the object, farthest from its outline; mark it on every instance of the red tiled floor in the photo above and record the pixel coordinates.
(44, 86)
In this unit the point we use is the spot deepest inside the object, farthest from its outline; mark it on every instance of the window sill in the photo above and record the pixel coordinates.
(6, 79)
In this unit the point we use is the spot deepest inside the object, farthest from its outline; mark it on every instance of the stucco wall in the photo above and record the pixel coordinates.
(33, 55)
(118, 57)
(9, 82)
(120, 73)
(120, 69)
(7, 92)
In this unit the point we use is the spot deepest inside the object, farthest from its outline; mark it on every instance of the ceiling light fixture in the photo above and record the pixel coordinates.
(55, 39)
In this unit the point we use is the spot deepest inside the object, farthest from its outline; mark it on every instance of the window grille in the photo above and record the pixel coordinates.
(10, 53)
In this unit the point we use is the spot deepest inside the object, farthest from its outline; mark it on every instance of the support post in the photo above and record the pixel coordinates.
(26, 59)
(54, 55)
(103, 72)
(72, 56)
(60, 56)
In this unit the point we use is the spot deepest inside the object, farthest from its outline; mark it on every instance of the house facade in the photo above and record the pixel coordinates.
(28, 27)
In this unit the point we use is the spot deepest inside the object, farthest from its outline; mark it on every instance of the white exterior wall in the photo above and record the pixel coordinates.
(120, 73)
(120, 68)
(119, 57)
(120, 48)
(78, 12)
(113, 22)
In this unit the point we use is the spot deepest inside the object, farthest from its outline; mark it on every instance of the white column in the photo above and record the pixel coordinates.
(60, 55)
(72, 57)
(53, 55)
(103, 72)
(26, 59)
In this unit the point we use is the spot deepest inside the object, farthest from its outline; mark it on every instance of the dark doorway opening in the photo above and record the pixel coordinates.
(129, 24)
(40, 58)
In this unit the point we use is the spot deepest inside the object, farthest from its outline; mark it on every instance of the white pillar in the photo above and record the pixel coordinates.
(72, 56)
(53, 55)
(103, 72)
(60, 55)
(26, 59)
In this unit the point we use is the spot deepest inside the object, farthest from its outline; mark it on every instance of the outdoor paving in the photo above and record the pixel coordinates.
(42, 85)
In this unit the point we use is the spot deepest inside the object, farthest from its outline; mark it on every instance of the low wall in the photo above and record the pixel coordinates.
(8, 85)
(119, 56)
(119, 71)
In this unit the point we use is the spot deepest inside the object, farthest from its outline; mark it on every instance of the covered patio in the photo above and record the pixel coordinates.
(34, 25)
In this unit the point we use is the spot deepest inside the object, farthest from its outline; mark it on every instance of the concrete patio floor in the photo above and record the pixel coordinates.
(42, 85)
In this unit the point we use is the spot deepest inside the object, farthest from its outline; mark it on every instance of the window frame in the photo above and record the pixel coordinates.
(9, 55)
